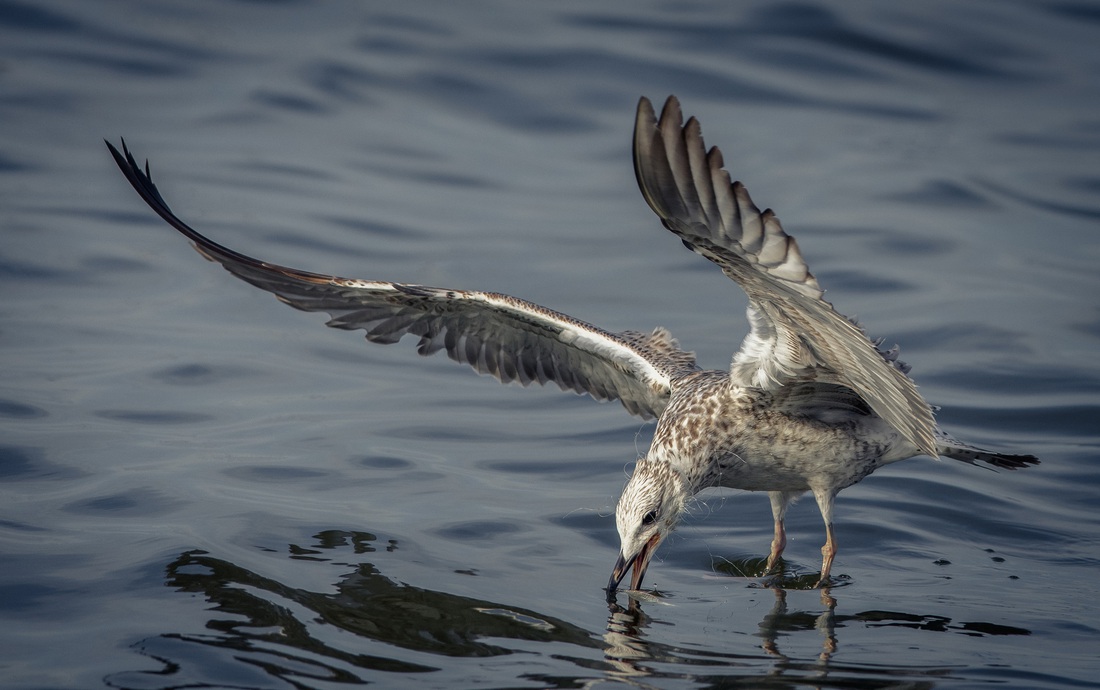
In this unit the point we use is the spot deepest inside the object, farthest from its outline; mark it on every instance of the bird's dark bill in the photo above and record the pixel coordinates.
(618, 572)
(639, 561)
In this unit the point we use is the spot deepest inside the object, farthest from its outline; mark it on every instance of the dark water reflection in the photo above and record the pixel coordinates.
(272, 632)
(260, 614)
(287, 632)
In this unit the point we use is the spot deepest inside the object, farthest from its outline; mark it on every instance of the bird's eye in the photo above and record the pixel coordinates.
(649, 518)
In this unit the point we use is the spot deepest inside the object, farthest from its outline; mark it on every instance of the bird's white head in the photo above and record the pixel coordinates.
(648, 510)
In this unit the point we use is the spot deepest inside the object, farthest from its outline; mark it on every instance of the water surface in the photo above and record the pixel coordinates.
(201, 487)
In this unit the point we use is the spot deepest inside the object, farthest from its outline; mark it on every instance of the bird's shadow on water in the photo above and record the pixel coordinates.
(367, 627)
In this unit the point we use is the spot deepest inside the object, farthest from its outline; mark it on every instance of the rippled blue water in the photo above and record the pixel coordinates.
(201, 487)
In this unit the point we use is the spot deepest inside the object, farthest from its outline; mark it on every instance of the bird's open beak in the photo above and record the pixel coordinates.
(640, 561)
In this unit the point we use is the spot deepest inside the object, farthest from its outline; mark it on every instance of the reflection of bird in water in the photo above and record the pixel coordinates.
(809, 403)
(780, 621)
(625, 645)
(799, 640)
(635, 653)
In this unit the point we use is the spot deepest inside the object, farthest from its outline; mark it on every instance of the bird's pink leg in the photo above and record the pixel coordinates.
(779, 542)
(780, 500)
(828, 552)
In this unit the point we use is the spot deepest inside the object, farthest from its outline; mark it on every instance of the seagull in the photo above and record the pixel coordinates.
(809, 402)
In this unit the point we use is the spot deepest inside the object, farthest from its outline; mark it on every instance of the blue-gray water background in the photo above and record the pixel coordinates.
(200, 487)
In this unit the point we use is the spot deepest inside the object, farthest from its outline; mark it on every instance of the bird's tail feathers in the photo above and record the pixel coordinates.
(950, 447)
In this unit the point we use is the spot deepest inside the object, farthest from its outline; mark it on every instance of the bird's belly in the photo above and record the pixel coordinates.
(798, 463)
(762, 476)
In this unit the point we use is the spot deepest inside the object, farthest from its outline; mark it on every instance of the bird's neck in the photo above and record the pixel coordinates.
(673, 470)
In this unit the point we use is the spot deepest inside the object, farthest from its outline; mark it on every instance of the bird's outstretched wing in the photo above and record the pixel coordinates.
(795, 334)
(512, 339)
